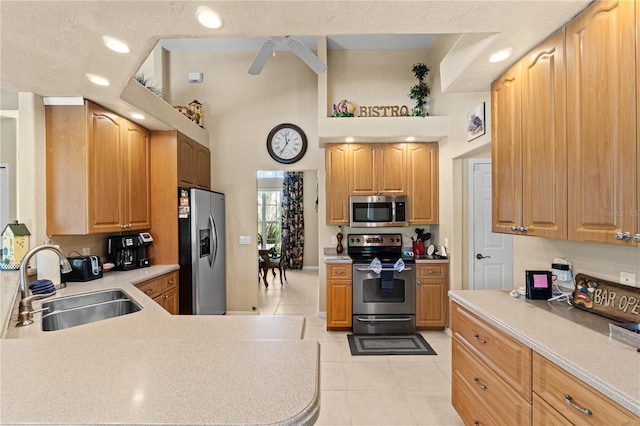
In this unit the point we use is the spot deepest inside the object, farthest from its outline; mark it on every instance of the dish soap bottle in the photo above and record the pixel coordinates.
(339, 247)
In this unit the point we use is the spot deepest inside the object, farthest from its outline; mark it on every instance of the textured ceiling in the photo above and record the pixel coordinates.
(47, 47)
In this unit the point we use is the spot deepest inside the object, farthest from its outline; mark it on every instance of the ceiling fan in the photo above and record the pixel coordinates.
(293, 44)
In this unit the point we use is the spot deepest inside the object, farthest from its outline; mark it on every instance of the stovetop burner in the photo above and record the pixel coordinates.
(363, 248)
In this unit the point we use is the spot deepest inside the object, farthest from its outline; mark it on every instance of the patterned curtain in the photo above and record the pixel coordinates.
(292, 220)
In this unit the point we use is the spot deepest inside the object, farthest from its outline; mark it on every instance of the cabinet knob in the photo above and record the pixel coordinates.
(349, 283)
(636, 238)
(514, 229)
(620, 236)
(523, 229)
(170, 281)
(418, 282)
(149, 291)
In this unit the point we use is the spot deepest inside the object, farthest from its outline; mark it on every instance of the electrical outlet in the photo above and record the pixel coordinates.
(446, 243)
(334, 240)
(627, 278)
(245, 239)
(86, 251)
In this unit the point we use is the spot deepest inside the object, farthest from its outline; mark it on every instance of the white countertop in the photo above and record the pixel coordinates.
(152, 367)
(575, 340)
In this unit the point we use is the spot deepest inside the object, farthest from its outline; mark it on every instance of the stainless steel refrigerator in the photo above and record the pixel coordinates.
(201, 219)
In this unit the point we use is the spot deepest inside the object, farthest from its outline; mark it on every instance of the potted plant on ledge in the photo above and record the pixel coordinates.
(420, 92)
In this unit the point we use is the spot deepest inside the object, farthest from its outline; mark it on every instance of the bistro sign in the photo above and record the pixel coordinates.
(384, 111)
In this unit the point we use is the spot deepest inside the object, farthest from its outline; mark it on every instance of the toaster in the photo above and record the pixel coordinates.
(83, 268)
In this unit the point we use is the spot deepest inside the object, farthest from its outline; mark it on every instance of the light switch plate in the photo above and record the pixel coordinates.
(245, 239)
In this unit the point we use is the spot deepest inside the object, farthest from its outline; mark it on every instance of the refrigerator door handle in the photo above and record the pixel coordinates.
(214, 241)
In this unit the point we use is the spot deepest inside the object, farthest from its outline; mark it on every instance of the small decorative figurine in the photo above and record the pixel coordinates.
(196, 112)
(15, 244)
(344, 108)
(339, 247)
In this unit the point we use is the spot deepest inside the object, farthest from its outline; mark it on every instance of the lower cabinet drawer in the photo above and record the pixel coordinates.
(574, 399)
(487, 388)
(152, 288)
(510, 359)
(545, 415)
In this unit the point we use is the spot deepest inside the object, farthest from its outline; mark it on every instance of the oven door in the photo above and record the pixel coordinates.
(385, 302)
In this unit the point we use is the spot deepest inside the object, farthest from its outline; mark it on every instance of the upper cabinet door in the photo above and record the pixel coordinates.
(105, 201)
(391, 165)
(137, 176)
(601, 123)
(337, 178)
(362, 169)
(203, 166)
(506, 154)
(544, 147)
(186, 157)
(422, 165)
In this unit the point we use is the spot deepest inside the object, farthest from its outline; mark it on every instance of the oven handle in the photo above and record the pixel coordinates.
(368, 269)
(383, 319)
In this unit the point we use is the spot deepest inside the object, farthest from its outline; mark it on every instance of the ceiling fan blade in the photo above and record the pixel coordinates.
(307, 56)
(261, 57)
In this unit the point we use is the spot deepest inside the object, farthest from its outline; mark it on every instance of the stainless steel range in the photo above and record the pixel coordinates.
(384, 301)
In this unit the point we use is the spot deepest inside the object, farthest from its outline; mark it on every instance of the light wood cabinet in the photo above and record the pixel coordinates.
(431, 295)
(529, 144)
(422, 168)
(339, 296)
(507, 357)
(601, 123)
(491, 372)
(337, 179)
(163, 290)
(543, 414)
(97, 162)
(383, 169)
(174, 158)
(484, 388)
(571, 398)
(377, 169)
(194, 164)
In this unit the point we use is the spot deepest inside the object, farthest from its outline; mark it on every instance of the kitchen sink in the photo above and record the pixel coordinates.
(72, 311)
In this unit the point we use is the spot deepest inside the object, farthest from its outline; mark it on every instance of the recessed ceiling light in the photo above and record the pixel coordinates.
(500, 55)
(96, 79)
(410, 139)
(208, 18)
(137, 115)
(349, 139)
(115, 45)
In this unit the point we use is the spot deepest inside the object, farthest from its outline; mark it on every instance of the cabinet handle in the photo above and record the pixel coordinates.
(623, 236)
(569, 401)
(418, 282)
(476, 422)
(170, 281)
(339, 272)
(481, 341)
(166, 297)
(431, 272)
(477, 382)
(149, 291)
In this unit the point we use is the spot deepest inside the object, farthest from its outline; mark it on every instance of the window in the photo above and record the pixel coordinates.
(269, 213)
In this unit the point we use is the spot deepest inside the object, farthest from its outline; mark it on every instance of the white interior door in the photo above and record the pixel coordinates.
(490, 254)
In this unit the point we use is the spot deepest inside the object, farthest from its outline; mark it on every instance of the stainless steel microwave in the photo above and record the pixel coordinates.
(377, 210)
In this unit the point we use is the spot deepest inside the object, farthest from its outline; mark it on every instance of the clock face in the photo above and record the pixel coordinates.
(286, 143)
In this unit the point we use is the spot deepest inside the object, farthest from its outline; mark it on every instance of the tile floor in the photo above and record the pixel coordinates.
(366, 390)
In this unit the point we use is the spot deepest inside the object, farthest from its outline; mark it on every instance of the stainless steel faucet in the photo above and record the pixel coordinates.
(25, 310)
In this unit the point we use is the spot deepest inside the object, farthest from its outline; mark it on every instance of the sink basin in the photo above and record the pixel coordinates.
(72, 311)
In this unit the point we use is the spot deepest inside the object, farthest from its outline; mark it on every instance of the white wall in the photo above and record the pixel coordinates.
(239, 110)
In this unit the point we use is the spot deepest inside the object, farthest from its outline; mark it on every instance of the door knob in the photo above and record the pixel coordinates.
(479, 256)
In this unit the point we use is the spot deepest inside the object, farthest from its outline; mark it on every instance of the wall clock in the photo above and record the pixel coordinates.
(286, 143)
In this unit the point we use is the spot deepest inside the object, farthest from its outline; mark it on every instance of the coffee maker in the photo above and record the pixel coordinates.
(129, 251)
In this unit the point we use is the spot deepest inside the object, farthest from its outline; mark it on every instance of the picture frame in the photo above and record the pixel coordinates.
(476, 123)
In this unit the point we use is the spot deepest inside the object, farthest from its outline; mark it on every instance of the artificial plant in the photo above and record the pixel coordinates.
(420, 92)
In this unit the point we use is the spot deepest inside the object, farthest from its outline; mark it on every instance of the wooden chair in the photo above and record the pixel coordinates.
(272, 260)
